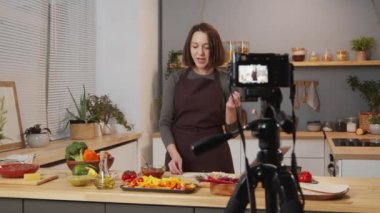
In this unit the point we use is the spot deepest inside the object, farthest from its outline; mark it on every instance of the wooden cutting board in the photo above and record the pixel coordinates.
(324, 191)
(21, 181)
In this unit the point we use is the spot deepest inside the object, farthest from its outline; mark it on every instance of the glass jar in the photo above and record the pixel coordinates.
(327, 56)
(328, 126)
(229, 48)
(340, 125)
(313, 56)
(351, 124)
(341, 55)
(242, 47)
(298, 54)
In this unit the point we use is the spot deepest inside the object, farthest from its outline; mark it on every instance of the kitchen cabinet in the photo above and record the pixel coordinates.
(38, 206)
(310, 154)
(122, 208)
(11, 205)
(159, 151)
(215, 210)
(358, 168)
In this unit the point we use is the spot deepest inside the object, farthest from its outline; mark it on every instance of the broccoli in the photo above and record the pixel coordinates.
(75, 150)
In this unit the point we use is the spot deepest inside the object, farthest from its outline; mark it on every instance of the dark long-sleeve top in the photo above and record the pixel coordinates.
(167, 110)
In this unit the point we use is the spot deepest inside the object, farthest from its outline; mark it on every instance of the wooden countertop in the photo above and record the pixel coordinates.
(362, 196)
(54, 153)
(283, 135)
(353, 152)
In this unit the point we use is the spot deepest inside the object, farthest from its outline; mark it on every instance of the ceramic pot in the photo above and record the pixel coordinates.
(374, 129)
(361, 55)
(37, 140)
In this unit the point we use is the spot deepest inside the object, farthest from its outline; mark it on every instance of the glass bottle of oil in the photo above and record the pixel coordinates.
(104, 179)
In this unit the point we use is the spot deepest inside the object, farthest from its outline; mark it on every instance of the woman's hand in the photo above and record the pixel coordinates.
(175, 164)
(232, 104)
(233, 101)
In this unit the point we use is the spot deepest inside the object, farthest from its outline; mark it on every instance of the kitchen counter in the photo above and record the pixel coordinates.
(283, 135)
(54, 153)
(362, 196)
(353, 152)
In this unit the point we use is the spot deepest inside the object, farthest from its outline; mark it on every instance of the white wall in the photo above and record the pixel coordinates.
(127, 60)
(277, 26)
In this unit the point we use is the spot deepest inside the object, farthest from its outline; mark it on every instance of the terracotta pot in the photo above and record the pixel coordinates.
(82, 131)
(361, 56)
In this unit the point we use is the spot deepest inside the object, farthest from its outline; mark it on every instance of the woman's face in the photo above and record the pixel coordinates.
(200, 50)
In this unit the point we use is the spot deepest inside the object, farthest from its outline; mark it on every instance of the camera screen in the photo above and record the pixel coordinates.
(253, 74)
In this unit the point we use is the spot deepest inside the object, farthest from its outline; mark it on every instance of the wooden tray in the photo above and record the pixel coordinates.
(324, 191)
(127, 188)
(21, 181)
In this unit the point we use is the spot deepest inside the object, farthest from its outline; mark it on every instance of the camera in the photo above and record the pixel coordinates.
(261, 70)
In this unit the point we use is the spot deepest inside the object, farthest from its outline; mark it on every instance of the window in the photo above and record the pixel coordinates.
(47, 47)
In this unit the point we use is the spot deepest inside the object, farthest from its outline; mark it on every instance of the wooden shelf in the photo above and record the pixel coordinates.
(336, 63)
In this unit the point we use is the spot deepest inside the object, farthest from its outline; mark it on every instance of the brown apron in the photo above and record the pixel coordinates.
(199, 111)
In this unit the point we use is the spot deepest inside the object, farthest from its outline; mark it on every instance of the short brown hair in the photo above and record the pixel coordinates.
(215, 43)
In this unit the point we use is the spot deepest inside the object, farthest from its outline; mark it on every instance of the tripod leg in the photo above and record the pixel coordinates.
(286, 188)
(239, 199)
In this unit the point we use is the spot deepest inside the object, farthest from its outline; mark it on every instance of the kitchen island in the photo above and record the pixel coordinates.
(354, 155)
(59, 196)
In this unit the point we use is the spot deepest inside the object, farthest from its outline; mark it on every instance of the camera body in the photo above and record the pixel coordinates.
(265, 70)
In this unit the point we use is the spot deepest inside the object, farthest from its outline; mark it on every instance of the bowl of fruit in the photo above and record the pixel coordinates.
(78, 153)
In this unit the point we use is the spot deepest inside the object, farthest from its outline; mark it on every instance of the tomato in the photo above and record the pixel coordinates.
(129, 175)
(305, 177)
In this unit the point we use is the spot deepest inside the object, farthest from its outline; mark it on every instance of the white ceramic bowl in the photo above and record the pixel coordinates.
(37, 140)
(374, 129)
(314, 127)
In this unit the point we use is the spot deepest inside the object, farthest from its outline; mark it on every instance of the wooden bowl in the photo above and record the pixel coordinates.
(71, 163)
(17, 170)
(225, 189)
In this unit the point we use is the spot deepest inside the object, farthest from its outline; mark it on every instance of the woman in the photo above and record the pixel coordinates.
(196, 104)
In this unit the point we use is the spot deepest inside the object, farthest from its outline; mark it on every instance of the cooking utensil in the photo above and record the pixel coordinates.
(304, 95)
(296, 100)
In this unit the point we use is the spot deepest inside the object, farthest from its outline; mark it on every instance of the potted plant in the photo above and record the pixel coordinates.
(370, 93)
(103, 110)
(362, 45)
(82, 123)
(174, 62)
(374, 126)
(37, 136)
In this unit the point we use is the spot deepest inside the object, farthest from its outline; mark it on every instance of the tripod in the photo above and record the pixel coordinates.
(281, 191)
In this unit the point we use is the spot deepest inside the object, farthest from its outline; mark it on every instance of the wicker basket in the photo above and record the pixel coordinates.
(364, 119)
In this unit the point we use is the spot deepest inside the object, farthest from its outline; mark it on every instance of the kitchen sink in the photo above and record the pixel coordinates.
(356, 142)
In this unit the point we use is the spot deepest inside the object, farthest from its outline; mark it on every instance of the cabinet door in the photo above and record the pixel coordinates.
(360, 168)
(314, 165)
(38, 206)
(11, 205)
(159, 151)
(125, 157)
(122, 208)
(252, 148)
